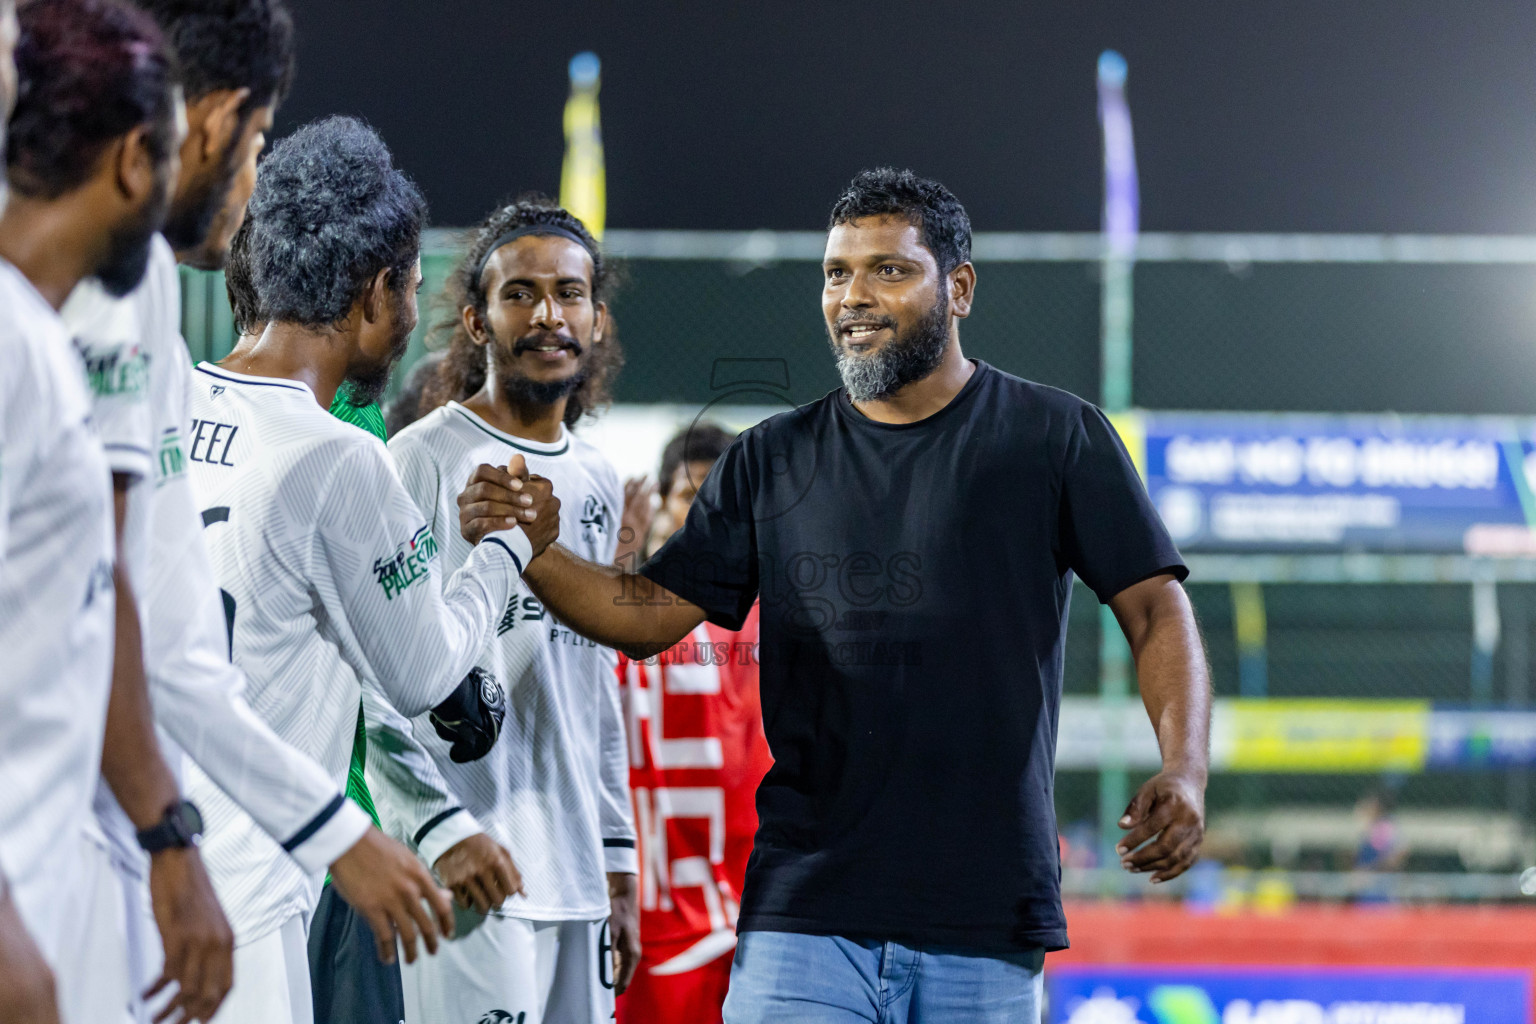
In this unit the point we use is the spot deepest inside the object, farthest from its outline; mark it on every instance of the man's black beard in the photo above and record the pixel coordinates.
(189, 221)
(522, 390)
(365, 385)
(906, 358)
(128, 246)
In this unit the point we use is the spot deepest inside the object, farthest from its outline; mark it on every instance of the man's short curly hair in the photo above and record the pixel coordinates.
(87, 72)
(229, 44)
(938, 215)
(329, 212)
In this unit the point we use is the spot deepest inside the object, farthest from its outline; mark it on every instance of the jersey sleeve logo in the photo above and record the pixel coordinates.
(115, 371)
(172, 460)
(409, 562)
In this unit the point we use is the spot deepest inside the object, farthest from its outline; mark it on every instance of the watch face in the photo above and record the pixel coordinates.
(191, 820)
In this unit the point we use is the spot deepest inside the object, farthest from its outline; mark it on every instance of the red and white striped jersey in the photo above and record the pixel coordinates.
(696, 754)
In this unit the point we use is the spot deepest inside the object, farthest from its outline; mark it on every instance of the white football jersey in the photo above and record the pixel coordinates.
(555, 789)
(140, 373)
(56, 605)
(329, 579)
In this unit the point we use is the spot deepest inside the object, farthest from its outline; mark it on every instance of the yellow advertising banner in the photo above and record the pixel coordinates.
(1323, 736)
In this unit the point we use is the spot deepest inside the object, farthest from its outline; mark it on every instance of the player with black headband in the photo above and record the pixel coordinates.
(530, 353)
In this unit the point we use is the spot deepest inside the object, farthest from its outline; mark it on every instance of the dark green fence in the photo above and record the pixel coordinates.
(1339, 336)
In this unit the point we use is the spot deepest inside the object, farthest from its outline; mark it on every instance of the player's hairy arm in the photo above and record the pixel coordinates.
(199, 946)
(618, 609)
(1171, 671)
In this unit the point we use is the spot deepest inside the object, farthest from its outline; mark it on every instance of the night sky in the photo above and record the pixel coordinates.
(1302, 115)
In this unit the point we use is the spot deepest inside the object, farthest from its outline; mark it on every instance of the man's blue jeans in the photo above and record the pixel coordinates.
(780, 977)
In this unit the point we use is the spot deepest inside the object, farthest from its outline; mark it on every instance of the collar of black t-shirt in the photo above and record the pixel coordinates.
(847, 410)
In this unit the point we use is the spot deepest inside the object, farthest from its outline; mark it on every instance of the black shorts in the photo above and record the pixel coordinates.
(351, 984)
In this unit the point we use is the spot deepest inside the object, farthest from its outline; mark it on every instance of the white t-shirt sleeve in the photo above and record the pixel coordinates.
(418, 635)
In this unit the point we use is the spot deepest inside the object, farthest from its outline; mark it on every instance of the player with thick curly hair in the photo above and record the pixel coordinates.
(475, 354)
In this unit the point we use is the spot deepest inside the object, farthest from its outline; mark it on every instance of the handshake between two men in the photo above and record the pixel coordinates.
(494, 499)
(478, 871)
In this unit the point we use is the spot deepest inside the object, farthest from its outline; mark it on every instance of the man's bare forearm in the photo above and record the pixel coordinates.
(604, 603)
(131, 761)
(1171, 672)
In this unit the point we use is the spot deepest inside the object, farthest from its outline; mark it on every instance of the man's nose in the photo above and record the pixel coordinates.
(858, 294)
(547, 314)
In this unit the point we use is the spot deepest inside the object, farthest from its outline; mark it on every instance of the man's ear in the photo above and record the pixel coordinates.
(213, 123)
(375, 302)
(599, 322)
(474, 323)
(962, 289)
(132, 165)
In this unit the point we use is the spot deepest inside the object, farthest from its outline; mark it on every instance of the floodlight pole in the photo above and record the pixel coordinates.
(1121, 203)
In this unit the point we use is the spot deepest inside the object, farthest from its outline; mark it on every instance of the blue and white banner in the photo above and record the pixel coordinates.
(1245, 482)
(1081, 994)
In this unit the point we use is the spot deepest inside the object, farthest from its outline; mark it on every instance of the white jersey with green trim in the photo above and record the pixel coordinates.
(555, 789)
(140, 374)
(330, 582)
(56, 607)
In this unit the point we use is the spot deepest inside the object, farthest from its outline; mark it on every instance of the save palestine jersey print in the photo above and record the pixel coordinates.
(914, 582)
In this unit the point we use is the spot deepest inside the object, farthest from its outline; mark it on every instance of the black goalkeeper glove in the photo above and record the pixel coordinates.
(471, 717)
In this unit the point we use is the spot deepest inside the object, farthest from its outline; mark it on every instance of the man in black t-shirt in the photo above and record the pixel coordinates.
(912, 537)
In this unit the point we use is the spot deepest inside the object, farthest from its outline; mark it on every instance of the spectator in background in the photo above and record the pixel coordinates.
(702, 692)
(1381, 851)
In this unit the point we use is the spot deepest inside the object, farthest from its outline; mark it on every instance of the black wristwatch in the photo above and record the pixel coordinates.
(181, 827)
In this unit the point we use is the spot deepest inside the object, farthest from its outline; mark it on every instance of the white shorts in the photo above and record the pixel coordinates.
(271, 979)
(506, 970)
(92, 969)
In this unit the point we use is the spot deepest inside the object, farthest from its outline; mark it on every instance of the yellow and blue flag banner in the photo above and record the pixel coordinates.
(583, 183)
